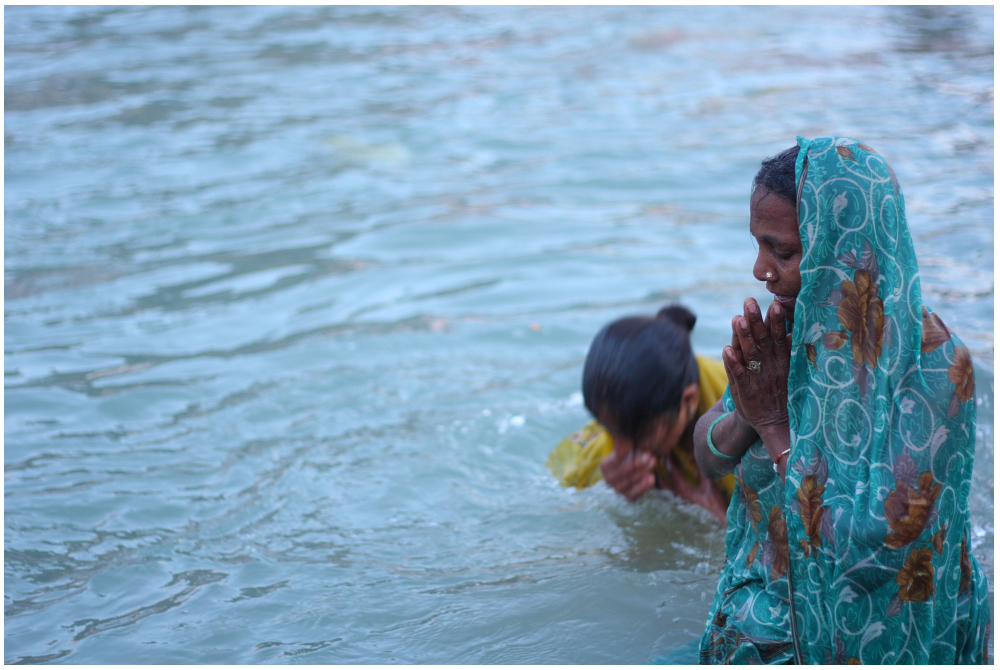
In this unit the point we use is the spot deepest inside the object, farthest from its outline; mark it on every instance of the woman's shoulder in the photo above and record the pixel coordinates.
(712, 381)
(577, 459)
(711, 364)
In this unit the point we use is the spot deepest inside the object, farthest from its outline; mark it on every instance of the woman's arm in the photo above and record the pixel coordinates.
(733, 435)
(706, 493)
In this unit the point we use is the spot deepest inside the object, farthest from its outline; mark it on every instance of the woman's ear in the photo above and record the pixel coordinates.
(689, 401)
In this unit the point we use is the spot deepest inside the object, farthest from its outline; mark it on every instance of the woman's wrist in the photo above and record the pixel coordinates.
(777, 441)
(742, 429)
(711, 443)
(730, 430)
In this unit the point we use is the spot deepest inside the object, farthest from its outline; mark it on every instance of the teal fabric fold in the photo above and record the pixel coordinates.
(871, 528)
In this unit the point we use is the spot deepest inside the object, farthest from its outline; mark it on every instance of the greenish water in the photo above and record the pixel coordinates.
(297, 299)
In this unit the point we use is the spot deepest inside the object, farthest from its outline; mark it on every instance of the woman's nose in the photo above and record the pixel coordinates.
(761, 272)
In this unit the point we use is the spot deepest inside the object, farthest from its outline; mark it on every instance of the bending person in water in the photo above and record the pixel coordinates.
(646, 388)
(852, 436)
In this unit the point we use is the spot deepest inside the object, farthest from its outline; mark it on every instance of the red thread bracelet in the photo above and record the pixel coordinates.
(780, 456)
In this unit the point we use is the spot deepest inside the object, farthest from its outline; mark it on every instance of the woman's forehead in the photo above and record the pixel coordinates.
(772, 215)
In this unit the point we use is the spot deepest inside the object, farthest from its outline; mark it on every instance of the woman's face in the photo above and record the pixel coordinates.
(775, 227)
(664, 432)
(658, 439)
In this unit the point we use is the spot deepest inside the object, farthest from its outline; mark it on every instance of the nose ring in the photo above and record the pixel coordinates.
(768, 276)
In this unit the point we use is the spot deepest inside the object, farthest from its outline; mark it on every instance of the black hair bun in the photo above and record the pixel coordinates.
(679, 315)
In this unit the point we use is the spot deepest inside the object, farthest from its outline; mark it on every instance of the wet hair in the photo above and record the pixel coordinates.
(777, 174)
(638, 367)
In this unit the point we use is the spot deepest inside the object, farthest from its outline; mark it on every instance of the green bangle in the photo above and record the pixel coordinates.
(711, 445)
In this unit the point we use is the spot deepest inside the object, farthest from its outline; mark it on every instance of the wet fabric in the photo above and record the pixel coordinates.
(576, 461)
(870, 531)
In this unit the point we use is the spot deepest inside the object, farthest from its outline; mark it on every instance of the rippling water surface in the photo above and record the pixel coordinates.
(296, 302)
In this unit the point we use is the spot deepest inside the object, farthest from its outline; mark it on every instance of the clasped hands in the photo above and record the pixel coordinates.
(757, 364)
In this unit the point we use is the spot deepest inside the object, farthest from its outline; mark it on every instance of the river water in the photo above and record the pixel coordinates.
(297, 300)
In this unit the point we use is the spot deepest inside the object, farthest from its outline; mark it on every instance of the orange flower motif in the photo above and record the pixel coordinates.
(962, 375)
(753, 554)
(778, 530)
(861, 312)
(916, 579)
(965, 581)
(835, 340)
(935, 332)
(753, 504)
(810, 496)
(811, 353)
(907, 510)
(845, 152)
(938, 540)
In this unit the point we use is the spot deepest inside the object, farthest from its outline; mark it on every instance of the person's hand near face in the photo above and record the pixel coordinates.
(628, 470)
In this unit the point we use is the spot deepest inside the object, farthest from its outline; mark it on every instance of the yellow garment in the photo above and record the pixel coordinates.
(576, 461)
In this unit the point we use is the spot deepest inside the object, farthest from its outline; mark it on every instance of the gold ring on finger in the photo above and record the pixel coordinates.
(754, 367)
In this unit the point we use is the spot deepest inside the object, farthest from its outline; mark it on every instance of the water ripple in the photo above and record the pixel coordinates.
(297, 298)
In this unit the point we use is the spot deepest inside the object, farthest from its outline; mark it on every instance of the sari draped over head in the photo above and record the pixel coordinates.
(862, 554)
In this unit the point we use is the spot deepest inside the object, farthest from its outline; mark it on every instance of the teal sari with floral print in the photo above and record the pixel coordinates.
(862, 554)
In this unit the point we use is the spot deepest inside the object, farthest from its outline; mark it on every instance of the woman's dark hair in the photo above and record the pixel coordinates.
(638, 367)
(777, 174)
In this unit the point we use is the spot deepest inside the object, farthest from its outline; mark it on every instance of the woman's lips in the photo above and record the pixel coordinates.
(787, 301)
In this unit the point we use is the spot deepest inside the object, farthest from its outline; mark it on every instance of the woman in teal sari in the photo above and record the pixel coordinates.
(851, 435)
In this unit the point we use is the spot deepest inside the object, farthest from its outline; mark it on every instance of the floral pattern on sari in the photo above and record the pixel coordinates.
(874, 512)
(909, 510)
(916, 578)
